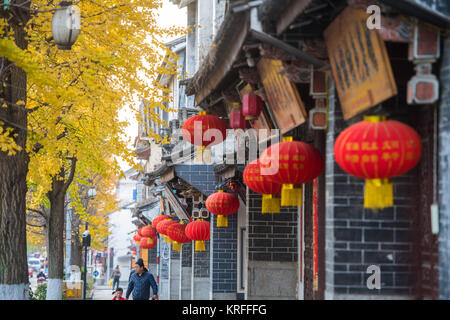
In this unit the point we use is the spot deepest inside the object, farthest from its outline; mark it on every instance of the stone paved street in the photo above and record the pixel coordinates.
(102, 293)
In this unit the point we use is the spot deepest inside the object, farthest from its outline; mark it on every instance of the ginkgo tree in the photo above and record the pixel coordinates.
(59, 113)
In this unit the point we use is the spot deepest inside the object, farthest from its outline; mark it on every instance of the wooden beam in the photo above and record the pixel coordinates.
(290, 13)
(261, 36)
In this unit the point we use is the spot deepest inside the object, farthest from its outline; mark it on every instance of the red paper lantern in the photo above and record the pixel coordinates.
(251, 106)
(195, 130)
(148, 243)
(293, 164)
(222, 204)
(198, 231)
(137, 238)
(237, 119)
(162, 228)
(148, 232)
(158, 219)
(176, 232)
(261, 184)
(377, 149)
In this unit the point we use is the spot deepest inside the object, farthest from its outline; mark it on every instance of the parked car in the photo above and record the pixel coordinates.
(34, 263)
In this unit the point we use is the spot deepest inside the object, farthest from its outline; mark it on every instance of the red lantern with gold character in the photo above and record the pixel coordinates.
(148, 232)
(194, 130)
(158, 219)
(148, 243)
(176, 232)
(377, 149)
(261, 184)
(162, 228)
(291, 163)
(199, 231)
(222, 204)
(251, 106)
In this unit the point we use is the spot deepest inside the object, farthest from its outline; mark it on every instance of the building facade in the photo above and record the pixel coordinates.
(314, 64)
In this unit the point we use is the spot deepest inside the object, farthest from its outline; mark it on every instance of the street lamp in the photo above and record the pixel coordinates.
(86, 243)
(66, 25)
(92, 193)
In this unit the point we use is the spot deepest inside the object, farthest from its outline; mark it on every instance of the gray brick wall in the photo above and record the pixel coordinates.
(357, 238)
(186, 254)
(201, 262)
(199, 176)
(224, 255)
(444, 174)
(174, 254)
(271, 237)
(152, 255)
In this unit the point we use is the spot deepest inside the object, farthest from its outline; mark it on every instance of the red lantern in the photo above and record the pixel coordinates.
(251, 106)
(139, 232)
(261, 184)
(377, 149)
(222, 204)
(293, 164)
(162, 228)
(176, 232)
(158, 219)
(195, 130)
(198, 231)
(237, 119)
(137, 238)
(148, 243)
(148, 232)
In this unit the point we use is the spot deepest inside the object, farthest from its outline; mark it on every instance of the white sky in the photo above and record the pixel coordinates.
(169, 15)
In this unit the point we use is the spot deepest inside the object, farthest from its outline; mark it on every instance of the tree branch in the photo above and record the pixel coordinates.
(72, 174)
(37, 226)
(38, 211)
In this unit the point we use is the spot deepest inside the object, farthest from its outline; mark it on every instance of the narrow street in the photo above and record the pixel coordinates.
(102, 293)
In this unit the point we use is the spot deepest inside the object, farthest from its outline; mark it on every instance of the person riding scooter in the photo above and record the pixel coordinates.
(41, 277)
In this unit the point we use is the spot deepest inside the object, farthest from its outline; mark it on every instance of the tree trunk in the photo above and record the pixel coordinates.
(77, 247)
(13, 172)
(55, 232)
(55, 240)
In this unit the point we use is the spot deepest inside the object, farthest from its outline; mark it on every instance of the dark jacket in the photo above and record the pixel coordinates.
(140, 286)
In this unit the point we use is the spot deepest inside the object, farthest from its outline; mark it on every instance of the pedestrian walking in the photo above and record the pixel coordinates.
(140, 283)
(118, 294)
(116, 277)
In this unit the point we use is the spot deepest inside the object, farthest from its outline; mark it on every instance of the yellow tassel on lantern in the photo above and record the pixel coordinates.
(270, 203)
(200, 246)
(378, 194)
(222, 221)
(291, 196)
(176, 246)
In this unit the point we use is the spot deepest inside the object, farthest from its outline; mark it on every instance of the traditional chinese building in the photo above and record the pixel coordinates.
(319, 67)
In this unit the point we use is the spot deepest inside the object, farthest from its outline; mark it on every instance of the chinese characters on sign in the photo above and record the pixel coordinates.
(359, 62)
(282, 95)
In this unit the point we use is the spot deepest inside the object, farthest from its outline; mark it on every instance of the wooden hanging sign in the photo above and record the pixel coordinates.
(283, 97)
(359, 62)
